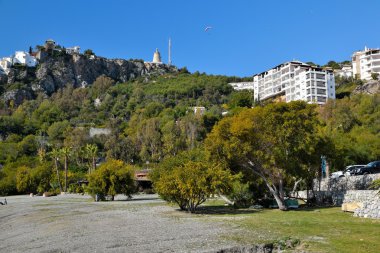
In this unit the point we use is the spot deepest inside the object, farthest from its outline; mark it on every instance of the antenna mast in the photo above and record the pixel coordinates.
(170, 52)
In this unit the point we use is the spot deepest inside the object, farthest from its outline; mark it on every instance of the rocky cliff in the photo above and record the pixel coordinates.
(55, 72)
(371, 87)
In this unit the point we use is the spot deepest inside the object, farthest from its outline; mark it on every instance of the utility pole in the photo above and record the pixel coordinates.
(170, 52)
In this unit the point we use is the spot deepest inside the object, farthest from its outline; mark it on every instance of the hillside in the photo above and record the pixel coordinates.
(61, 69)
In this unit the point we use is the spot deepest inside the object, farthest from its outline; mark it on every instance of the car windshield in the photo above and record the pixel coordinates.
(371, 163)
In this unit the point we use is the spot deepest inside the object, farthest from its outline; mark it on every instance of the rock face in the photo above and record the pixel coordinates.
(371, 87)
(55, 72)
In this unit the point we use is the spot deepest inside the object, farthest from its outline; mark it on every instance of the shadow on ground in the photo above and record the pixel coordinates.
(224, 210)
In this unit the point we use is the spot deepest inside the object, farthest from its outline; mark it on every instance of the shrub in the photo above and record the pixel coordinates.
(33, 180)
(241, 195)
(111, 178)
(375, 185)
(190, 184)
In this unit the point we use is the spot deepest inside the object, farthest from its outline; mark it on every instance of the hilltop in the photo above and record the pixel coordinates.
(60, 69)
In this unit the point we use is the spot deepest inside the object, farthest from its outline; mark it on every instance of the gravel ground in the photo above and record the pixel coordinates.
(74, 223)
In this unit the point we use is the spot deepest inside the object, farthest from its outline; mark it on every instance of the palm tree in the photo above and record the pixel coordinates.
(92, 151)
(65, 152)
(55, 154)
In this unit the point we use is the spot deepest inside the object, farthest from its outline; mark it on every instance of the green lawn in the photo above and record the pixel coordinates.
(320, 230)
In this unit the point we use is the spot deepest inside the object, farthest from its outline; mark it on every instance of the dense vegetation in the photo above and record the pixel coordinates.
(148, 121)
(45, 143)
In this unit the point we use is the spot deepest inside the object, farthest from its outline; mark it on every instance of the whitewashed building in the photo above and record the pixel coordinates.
(199, 110)
(366, 62)
(345, 72)
(242, 85)
(73, 50)
(5, 64)
(295, 80)
(24, 58)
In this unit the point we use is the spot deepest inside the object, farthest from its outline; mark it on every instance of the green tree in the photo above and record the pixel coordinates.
(242, 98)
(88, 52)
(24, 181)
(91, 153)
(111, 178)
(55, 154)
(275, 142)
(190, 184)
(65, 153)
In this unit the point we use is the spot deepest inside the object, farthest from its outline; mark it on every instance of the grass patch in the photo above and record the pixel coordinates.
(319, 230)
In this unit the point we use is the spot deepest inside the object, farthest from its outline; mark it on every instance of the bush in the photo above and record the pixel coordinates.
(375, 185)
(241, 195)
(33, 180)
(111, 178)
(190, 184)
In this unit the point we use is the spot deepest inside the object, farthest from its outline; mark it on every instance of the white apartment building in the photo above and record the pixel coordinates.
(366, 62)
(345, 72)
(295, 80)
(242, 86)
(24, 58)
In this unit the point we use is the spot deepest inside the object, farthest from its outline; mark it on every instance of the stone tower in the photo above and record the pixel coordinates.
(157, 57)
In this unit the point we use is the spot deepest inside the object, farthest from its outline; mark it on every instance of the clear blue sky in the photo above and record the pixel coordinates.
(247, 36)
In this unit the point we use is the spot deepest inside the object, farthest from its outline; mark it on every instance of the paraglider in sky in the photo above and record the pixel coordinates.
(208, 28)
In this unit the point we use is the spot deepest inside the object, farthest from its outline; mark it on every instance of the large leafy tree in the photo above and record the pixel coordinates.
(188, 179)
(190, 184)
(277, 142)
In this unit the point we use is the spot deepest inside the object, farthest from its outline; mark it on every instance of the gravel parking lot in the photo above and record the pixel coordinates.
(74, 223)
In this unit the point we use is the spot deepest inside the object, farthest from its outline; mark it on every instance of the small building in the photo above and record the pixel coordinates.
(73, 50)
(24, 58)
(199, 110)
(49, 44)
(157, 57)
(242, 85)
(5, 64)
(345, 72)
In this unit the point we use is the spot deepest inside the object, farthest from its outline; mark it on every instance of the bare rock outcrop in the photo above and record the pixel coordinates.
(371, 87)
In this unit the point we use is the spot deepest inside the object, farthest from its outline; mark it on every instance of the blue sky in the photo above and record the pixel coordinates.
(247, 36)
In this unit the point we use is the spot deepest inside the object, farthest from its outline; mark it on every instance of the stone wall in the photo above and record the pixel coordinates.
(369, 202)
(340, 190)
(345, 183)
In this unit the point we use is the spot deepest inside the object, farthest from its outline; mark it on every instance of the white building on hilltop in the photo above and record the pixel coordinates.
(5, 64)
(242, 86)
(295, 81)
(157, 57)
(24, 58)
(73, 50)
(366, 62)
(20, 57)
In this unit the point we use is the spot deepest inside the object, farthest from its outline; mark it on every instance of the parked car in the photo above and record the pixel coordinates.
(348, 171)
(371, 168)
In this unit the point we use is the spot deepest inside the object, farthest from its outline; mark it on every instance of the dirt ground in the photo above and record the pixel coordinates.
(74, 223)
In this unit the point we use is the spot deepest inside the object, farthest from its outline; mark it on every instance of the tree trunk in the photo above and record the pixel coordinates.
(295, 187)
(93, 163)
(65, 174)
(56, 168)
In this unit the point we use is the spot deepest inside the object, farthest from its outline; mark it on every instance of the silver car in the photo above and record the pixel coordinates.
(348, 171)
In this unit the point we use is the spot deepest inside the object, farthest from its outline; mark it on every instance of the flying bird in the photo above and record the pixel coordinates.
(208, 28)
